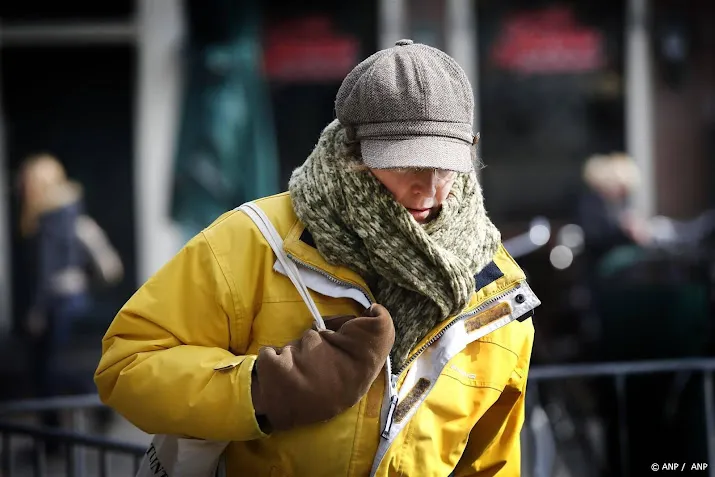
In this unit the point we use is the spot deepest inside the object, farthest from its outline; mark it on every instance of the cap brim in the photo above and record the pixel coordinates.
(427, 151)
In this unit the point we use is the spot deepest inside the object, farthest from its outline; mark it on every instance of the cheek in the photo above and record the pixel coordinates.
(443, 192)
(398, 189)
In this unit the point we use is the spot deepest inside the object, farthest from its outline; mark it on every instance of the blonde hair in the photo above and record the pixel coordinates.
(44, 186)
(602, 171)
(625, 170)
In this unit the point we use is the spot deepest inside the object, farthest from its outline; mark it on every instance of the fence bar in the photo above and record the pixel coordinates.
(80, 453)
(709, 419)
(70, 464)
(622, 423)
(39, 463)
(62, 403)
(620, 368)
(104, 463)
(6, 465)
(74, 439)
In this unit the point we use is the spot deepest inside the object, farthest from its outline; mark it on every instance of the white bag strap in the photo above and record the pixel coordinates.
(276, 242)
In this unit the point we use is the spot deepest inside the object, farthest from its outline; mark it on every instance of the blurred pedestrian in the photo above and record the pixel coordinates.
(605, 209)
(386, 223)
(65, 245)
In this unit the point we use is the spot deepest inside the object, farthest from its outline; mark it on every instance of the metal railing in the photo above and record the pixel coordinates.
(75, 442)
(619, 371)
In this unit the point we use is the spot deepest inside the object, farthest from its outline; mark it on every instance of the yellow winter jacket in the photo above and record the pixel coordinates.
(177, 359)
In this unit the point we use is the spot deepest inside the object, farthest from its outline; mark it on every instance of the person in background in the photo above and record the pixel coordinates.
(424, 370)
(66, 246)
(615, 238)
(604, 209)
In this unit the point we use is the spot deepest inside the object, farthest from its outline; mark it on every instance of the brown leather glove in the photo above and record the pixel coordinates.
(324, 373)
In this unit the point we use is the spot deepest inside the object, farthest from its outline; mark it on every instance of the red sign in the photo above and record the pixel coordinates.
(308, 50)
(548, 41)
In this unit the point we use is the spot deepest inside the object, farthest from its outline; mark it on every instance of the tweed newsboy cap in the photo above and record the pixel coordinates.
(409, 106)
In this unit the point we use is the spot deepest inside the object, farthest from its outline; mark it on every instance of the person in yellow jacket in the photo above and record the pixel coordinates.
(424, 366)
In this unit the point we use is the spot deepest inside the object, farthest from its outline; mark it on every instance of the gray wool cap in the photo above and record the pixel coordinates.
(409, 106)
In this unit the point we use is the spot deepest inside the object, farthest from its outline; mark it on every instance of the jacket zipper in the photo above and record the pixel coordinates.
(478, 309)
(332, 278)
(394, 378)
(392, 390)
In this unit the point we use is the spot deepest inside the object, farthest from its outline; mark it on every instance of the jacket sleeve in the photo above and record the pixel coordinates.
(165, 363)
(493, 448)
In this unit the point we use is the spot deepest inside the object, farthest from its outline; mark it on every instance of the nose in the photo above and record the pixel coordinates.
(425, 183)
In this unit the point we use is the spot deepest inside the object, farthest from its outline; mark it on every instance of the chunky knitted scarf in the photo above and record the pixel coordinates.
(421, 274)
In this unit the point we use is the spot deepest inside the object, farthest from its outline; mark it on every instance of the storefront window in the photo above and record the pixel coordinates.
(551, 94)
(309, 48)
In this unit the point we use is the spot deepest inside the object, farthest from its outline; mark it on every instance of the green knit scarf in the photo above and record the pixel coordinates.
(421, 274)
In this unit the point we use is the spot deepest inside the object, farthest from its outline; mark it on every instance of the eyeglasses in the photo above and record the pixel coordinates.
(441, 174)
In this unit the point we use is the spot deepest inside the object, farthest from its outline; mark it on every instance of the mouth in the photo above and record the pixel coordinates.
(420, 215)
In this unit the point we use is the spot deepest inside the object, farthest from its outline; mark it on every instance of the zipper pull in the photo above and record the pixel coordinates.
(391, 384)
(390, 416)
(392, 387)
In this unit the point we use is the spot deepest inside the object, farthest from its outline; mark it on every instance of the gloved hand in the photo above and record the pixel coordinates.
(324, 373)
